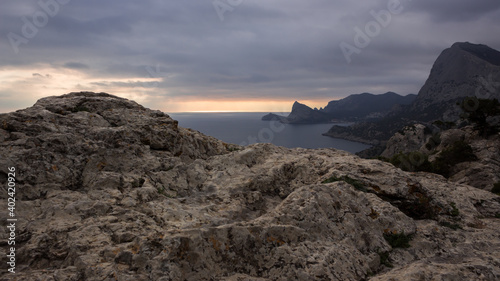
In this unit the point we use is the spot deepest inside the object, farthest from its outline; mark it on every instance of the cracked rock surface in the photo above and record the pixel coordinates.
(110, 190)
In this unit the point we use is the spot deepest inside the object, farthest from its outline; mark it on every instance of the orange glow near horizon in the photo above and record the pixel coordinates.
(21, 88)
(239, 106)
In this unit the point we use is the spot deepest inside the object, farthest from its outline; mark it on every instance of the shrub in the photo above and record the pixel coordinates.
(453, 226)
(443, 125)
(496, 188)
(398, 240)
(411, 162)
(433, 142)
(384, 259)
(454, 211)
(357, 184)
(459, 152)
(79, 108)
(477, 111)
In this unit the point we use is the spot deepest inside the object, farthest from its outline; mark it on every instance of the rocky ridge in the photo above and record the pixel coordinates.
(358, 107)
(463, 70)
(366, 106)
(109, 190)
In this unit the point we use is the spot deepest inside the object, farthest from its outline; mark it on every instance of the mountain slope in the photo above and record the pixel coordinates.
(463, 70)
(366, 105)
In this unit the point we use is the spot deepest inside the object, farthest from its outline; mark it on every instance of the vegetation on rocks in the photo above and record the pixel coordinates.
(477, 111)
(398, 240)
(416, 161)
(496, 188)
(357, 184)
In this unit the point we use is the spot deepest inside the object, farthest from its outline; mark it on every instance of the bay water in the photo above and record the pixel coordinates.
(245, 128)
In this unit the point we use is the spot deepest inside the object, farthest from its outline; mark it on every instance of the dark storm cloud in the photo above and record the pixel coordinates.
(75, 65)
(456, 10)
(279, 48)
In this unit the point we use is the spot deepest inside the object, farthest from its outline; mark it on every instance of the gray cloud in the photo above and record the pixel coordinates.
(263, 49)
(76, 65)
(456, 10)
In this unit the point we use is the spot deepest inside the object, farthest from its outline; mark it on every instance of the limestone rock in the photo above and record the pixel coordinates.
(411, 138)
(131, 196)
(483, 173)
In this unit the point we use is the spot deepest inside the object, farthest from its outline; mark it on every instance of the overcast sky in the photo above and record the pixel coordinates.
(233, 55)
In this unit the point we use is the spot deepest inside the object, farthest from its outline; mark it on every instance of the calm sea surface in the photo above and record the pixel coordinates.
(247, 128)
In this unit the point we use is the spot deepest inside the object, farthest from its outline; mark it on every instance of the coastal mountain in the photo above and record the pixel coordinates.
(366, 106)
(357, 107)
(464, 70)
(109, 190)
(303, 114)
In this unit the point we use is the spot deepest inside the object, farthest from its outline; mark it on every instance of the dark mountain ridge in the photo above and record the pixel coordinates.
(355, 107)
(463, 70)
(366, 105)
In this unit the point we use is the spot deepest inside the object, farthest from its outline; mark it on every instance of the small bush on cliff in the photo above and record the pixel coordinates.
(459, 152)
(384, 259)
(398, 240)
(411, 162)
(357, 184)
(477, 111)
(444, 125)
(416, 161)
(454, 211)
(496, 188)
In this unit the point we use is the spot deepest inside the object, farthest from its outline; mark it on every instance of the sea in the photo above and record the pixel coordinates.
(248, 128)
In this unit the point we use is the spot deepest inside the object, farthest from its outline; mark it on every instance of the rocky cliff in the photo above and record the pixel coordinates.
(463, 70)
(303, 114)
(110, 190)
(358, 107)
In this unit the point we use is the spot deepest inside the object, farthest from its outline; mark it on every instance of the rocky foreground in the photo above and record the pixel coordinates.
(110, 190)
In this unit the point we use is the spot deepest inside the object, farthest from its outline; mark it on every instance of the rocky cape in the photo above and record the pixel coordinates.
(352, 108)
(110, 190)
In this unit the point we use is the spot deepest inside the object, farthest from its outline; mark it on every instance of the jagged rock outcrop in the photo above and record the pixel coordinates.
(109, 190)
(409, 139)
(303, 114)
